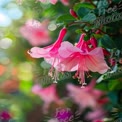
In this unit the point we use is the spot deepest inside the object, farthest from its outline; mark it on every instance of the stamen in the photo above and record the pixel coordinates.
(82, 87)
(50, 73)
(84, 84)
(88, 75)
(53, 74)
(55, 81)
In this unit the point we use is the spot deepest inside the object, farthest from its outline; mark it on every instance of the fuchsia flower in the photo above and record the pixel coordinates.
(48, 95)
(96, 115)
(65, 2)
(82, 58)
(83, 98)
(51, 1)
(88, 97)
(50, 53)
(35, 32)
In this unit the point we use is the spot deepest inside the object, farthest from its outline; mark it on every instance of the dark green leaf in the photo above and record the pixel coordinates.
(85, 5)
(101, 86)
(113, 97)
(114, 85)
(90, 17)
(65, 18)
(107, 42)
(82, 12)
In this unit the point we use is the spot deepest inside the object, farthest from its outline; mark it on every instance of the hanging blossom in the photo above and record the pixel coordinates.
(48, 95)
(89, 98)
(82, 58)
(50, 53)
(51, 1)
(35, 32)
(65, 2)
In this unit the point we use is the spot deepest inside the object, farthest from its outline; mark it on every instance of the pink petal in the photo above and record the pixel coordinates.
(69, 64)
(51, 92)
(36, 88)
(49, 51)
(95, 61)
(35, 32)
(37, 52)
(67, 49)
(97, 114)
(81, 97)
(65, 2)
(53, 1)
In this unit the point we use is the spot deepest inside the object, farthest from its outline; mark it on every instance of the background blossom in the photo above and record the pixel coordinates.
(36, 33)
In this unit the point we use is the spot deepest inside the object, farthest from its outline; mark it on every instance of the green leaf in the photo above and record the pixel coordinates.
(113, 97)
(85, 5)
(107, 42)
(114, 85)
(65, 18)
(101, 86)
(82, 12)
(90, 17)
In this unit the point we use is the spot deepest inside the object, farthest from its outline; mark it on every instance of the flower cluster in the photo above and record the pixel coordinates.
(89, 97)
(85, 56)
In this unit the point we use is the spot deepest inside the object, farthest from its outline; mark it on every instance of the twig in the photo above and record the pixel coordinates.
(77, 22)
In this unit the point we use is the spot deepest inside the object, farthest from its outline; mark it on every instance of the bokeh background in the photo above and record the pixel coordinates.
(28, 23)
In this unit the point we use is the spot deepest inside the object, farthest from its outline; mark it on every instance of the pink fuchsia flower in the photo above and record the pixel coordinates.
(80, 97)
(65, 2)
(35, 32)
(96, 93)
(96, 115)
(82, 58)
(51, 1)
(48, 95)
(88, 97)
(50, 53)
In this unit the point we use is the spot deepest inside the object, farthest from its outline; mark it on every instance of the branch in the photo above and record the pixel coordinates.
(78, 22)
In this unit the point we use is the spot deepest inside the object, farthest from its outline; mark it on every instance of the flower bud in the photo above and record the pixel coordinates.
(73, 13)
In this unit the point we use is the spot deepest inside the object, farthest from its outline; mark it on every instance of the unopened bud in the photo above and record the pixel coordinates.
(93, 42)
(73, 13)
